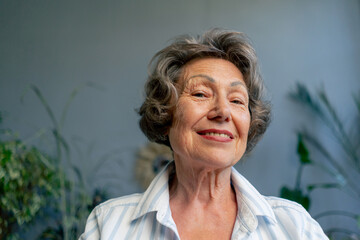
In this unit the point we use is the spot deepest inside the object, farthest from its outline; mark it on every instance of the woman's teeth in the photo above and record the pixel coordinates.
(217, 134)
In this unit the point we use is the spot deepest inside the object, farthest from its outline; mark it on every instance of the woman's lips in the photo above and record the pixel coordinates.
(216, 135)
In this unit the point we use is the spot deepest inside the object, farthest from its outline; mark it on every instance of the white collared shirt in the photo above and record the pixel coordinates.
(148, 215)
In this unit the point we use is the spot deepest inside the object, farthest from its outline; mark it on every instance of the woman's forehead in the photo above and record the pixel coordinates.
(210, 71)
(211, 66)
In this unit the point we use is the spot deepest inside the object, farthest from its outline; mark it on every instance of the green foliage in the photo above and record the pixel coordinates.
(295, 195)
(75, 202)
(31, 181)
(27, 182)
(348, 140)
(302, 151)
(57, 233)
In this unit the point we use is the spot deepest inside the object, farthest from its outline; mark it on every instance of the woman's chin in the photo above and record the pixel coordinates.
(215, 161)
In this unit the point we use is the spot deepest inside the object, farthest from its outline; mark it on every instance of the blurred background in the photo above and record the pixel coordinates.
(72, 76)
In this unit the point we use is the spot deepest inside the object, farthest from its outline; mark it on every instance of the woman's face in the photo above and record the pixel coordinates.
(211, 119)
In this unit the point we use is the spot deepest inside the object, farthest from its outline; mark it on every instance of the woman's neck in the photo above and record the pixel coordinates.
(205, 196)
(201, 185)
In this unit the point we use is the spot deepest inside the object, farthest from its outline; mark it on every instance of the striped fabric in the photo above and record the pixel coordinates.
(148, 215)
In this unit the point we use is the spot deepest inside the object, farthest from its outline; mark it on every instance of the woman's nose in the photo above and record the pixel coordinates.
(220, 110)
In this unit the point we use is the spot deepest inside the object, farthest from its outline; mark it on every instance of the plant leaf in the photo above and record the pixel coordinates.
(45, 104)
(302, 95)
(295, 195)
(311, 187)
(303, 151)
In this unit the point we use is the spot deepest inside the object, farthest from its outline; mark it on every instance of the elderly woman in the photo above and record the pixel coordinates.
(204, 99)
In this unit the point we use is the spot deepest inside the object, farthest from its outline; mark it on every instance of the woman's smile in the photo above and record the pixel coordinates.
(216, 135)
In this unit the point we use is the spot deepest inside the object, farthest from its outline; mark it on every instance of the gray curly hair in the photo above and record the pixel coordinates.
(165, 69)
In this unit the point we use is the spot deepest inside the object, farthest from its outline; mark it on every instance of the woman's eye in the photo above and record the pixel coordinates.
(200, 95)
(236, 101)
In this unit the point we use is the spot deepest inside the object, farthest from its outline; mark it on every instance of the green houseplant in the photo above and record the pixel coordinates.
(73, 204)
(347, 138)
(75, 201)
(60, 186)
(28, 180)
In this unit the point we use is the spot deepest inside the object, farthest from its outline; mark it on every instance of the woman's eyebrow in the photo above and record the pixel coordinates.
(204, 76)
(240, 84)
(233, 84)
(237, 83)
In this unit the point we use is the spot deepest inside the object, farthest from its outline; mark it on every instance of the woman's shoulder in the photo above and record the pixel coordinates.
(276, 202)
(284, 208)
(294, 219)
(108, 212)
(131, 200)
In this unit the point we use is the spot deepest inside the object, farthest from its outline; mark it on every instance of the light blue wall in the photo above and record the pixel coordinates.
(58, 45)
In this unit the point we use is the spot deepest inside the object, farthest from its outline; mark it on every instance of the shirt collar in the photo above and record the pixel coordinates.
(156, 197)
(251, 203)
